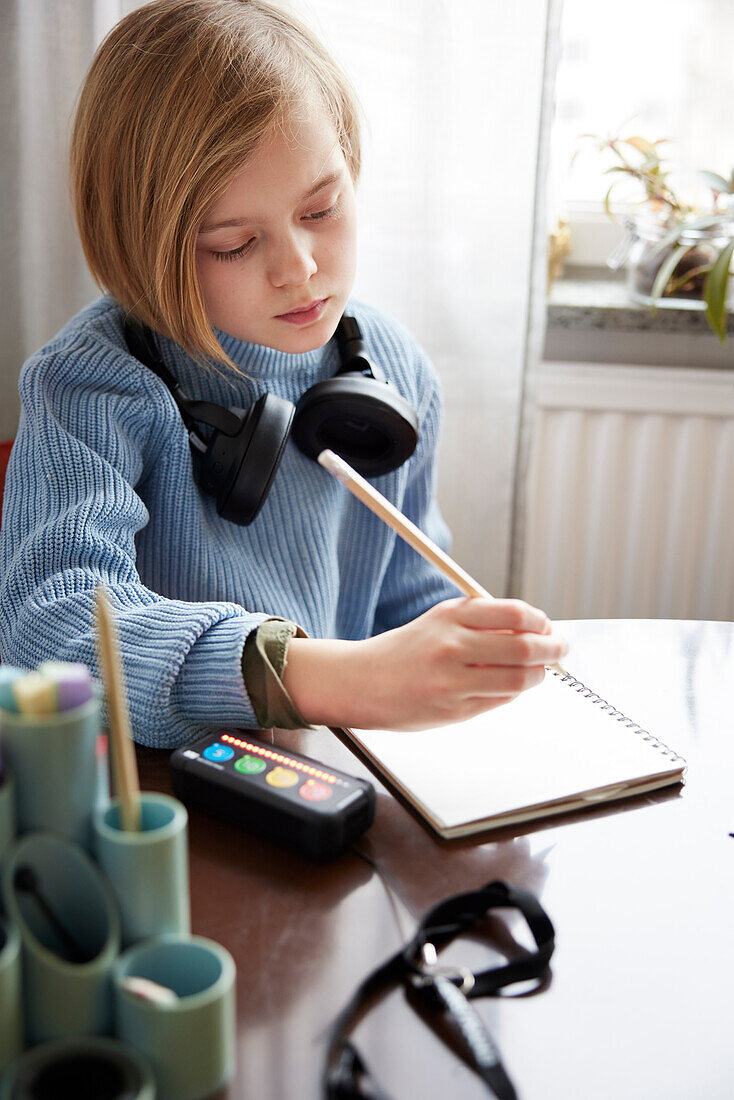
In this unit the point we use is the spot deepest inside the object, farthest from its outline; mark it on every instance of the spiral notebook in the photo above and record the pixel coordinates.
(555, 748)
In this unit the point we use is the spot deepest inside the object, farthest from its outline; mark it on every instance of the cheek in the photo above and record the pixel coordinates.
(344, 246)
(219, 281)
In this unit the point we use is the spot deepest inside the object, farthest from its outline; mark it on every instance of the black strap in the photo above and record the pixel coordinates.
(141, 343)
(352, 353)
(346, 1076)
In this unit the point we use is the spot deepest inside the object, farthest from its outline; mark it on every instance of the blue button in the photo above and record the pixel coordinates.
(218, 752)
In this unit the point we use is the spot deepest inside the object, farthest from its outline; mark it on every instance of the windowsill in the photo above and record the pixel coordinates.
(591, 318)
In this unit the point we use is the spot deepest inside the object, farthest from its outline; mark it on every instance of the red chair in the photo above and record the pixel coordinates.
(5, 449)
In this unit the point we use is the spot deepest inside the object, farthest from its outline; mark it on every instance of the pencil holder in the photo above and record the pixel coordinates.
(67, 918)
(11, 1010)
(191, 1042)
(80, 1066)
(149, 869)
(7, 811)
(58, 778)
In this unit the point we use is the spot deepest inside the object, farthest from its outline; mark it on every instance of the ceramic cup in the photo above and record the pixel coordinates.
(149, 869)
(79, 1066)
(58, 777)
(11, 1007)
(191, 1042)
(7, 811)
(67, 918)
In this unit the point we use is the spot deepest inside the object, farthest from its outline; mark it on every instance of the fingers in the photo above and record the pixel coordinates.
(489, 648)
(516, 615)
(500, 681)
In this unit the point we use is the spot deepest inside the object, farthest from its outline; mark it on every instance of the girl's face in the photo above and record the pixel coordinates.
(280, 271)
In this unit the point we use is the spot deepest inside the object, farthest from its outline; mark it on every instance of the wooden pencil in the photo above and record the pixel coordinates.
(407, 530)
(125, 767)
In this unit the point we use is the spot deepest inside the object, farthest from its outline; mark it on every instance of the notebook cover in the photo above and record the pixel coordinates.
(552, 749)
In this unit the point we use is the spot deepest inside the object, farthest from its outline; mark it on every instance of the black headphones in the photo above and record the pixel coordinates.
(356, 414)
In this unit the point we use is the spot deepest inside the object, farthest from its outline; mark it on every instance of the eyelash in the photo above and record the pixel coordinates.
(237, 252)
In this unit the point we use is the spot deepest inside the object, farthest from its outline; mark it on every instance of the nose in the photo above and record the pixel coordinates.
(292, 261)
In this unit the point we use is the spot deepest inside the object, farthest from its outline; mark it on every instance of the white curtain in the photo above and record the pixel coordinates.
(453, 94)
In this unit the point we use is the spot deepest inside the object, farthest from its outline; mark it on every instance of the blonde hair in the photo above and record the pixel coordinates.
(177, 96)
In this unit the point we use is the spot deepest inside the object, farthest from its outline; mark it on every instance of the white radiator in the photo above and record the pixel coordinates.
(629, 498)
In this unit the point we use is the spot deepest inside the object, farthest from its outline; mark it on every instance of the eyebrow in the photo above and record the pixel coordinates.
(228, 223)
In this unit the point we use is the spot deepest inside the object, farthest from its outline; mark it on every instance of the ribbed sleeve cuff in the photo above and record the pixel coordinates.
(210, 688)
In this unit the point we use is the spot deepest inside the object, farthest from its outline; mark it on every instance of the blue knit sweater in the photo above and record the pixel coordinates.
(100, 488)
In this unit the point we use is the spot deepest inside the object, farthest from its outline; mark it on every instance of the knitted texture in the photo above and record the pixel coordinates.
(100, 489)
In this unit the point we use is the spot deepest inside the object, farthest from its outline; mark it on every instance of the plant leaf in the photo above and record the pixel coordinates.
(675, 285)
(714, 291)
(607, 200)
(666, 269)
(716, 182)
(642, 145)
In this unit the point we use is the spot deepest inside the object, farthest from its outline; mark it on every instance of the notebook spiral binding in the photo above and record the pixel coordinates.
(593, 697)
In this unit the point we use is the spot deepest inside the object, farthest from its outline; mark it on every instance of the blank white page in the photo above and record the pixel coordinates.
(550, 745)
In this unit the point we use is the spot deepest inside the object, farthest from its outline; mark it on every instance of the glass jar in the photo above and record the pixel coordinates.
(647, 245)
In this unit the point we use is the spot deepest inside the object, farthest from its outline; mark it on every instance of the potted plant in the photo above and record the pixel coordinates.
(678, 253)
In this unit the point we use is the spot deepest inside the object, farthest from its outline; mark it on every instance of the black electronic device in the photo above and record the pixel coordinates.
(289, 798)
(357, 413)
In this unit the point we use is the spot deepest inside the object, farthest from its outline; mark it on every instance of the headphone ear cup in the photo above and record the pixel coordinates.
(363, 420)
(238, 470)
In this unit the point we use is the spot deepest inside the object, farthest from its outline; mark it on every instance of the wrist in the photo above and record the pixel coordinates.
(323, 678)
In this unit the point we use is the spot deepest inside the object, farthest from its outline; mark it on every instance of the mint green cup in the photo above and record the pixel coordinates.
(65, 992)
(7, 811)
(190, 1043)
(11, 1005)
(59, 779)
(79, 1066)
(148, 870)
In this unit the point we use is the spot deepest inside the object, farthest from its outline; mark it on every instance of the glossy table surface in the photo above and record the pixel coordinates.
(641, 893)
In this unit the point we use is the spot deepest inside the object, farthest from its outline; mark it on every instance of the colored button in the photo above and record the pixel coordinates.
(281, 777)
(314, 791)
(250, 765)
(218, 752)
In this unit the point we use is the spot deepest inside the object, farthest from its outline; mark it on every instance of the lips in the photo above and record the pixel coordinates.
(304, 315)
(303, 309)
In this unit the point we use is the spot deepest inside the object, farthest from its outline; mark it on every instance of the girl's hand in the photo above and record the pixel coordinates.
(460, 658)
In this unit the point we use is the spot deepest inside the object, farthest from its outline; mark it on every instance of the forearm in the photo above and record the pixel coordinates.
(325, 678)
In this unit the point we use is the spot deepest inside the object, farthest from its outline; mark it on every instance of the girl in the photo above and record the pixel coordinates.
(214, 156)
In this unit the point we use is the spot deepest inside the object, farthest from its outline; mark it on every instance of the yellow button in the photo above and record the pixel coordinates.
(281, 777)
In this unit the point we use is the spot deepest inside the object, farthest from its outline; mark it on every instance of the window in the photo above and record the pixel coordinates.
(658, 70)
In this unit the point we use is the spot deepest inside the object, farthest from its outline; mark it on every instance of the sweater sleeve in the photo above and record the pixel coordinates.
(70, 516)
(411, 584)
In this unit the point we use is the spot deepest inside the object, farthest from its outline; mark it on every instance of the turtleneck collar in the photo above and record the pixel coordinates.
(256, 359)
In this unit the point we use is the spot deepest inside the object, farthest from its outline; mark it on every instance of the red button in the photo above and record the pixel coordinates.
(314, 791)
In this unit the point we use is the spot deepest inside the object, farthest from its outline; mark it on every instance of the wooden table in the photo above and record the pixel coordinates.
(641, 893)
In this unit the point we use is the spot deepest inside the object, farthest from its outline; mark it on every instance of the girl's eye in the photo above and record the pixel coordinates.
(332, 211)
(320, 214)
(235, 251)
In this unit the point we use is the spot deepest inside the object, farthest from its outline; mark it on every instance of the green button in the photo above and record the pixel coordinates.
(250, 765)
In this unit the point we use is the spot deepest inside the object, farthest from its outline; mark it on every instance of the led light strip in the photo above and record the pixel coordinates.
(279, 758)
